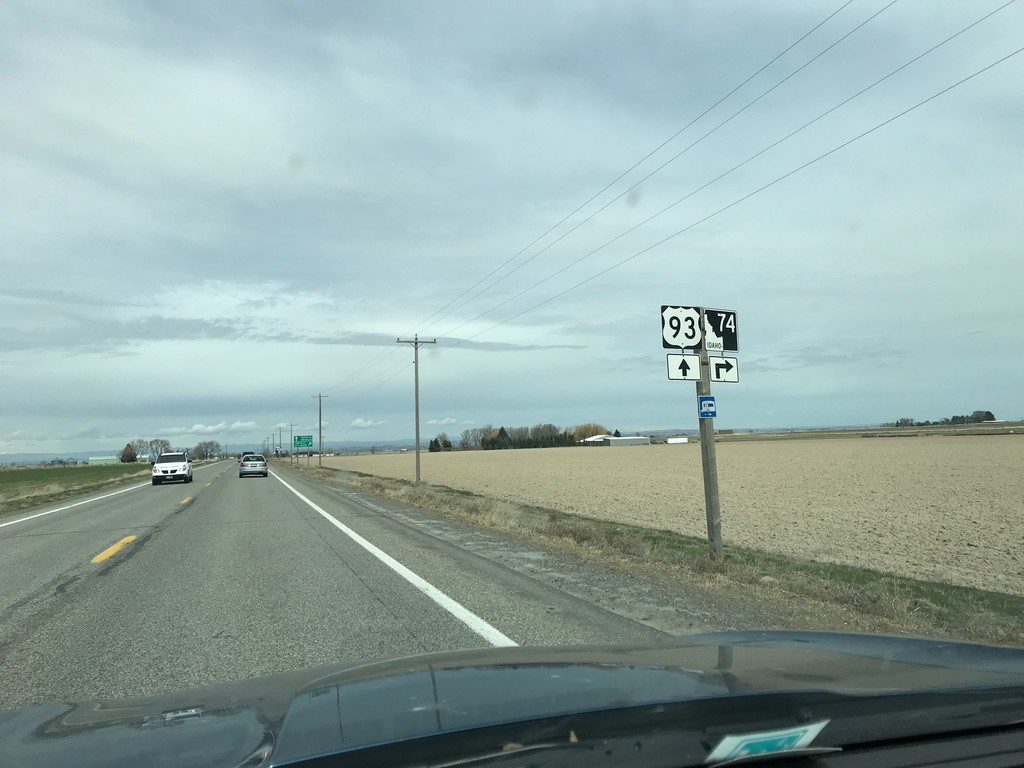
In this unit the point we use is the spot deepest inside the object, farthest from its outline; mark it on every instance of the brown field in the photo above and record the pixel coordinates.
(940, 508)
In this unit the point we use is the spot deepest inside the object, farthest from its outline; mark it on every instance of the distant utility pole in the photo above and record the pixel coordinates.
(279, 428)
(320, 426)
(291, 442)
(416, 342)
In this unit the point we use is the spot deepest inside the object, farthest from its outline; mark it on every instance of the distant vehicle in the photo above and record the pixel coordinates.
(253, 464)
(172, 466)
(244, 454)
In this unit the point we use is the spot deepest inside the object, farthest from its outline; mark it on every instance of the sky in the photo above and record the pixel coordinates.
(210, 213)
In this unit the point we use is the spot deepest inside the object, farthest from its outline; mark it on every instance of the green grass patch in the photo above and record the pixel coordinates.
(810, 592)
(34, 486)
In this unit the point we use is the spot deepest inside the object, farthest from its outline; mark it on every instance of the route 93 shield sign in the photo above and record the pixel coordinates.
(680, 327)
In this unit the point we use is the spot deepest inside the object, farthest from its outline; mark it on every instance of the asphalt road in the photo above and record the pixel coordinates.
(231, 578)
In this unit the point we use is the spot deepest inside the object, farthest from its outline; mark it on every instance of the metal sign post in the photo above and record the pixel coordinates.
(302, 441)
(696, 329)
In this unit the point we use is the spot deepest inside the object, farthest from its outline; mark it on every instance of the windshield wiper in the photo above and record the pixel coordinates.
(511, 750)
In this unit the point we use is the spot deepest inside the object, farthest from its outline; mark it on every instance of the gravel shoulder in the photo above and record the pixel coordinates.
(670, 599)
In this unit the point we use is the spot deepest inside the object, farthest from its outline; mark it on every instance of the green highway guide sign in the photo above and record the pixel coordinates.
(302, 441)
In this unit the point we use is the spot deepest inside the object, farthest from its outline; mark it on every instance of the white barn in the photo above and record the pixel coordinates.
(612, 440)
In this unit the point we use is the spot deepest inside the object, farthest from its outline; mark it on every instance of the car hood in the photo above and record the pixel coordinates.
(283, 718)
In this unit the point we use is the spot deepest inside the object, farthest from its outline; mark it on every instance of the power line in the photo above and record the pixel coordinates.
(637, 164)
(743, 198)
(378, 383)
(386, 351)
(734, 168)
(674, 157)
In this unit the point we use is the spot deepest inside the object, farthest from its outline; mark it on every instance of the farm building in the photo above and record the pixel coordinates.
(611, 440)
(102, 460)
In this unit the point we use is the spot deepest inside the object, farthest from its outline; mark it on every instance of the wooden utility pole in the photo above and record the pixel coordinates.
(709, 461)
(320, 428)
(416, 342)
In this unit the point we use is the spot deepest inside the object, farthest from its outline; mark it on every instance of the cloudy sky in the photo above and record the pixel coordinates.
(211, 212)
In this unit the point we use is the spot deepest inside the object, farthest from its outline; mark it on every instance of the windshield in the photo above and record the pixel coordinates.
(575, 324)
(171, 458)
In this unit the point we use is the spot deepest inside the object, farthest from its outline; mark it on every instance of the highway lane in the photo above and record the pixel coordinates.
(43, 550)
(249, 577)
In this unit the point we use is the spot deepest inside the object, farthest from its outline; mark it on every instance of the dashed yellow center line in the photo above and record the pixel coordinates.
(113, 549)
(186, 500)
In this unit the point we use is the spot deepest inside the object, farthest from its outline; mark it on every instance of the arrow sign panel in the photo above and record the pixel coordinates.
(683, 367)
(724, 369)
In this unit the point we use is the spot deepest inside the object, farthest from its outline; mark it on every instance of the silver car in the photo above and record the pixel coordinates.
(254, 464)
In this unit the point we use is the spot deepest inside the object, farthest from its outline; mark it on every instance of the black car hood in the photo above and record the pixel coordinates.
(284, 718)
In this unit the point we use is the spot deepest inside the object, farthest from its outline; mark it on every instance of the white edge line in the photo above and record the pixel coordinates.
(459, 611)
(69, 506)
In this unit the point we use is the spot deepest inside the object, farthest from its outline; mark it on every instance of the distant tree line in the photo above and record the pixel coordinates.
(141, 449)
(977, 417)
(145, 449)
(440, 443)
(207, 449)
(489, 438)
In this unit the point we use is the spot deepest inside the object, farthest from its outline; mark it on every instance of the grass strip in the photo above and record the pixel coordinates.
(23, 488)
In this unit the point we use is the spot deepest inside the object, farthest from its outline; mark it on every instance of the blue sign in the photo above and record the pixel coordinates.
(706, 407)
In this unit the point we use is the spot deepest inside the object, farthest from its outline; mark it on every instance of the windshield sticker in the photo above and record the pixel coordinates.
(765, 742)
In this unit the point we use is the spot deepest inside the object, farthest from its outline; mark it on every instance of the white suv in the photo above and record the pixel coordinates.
(172, 466)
